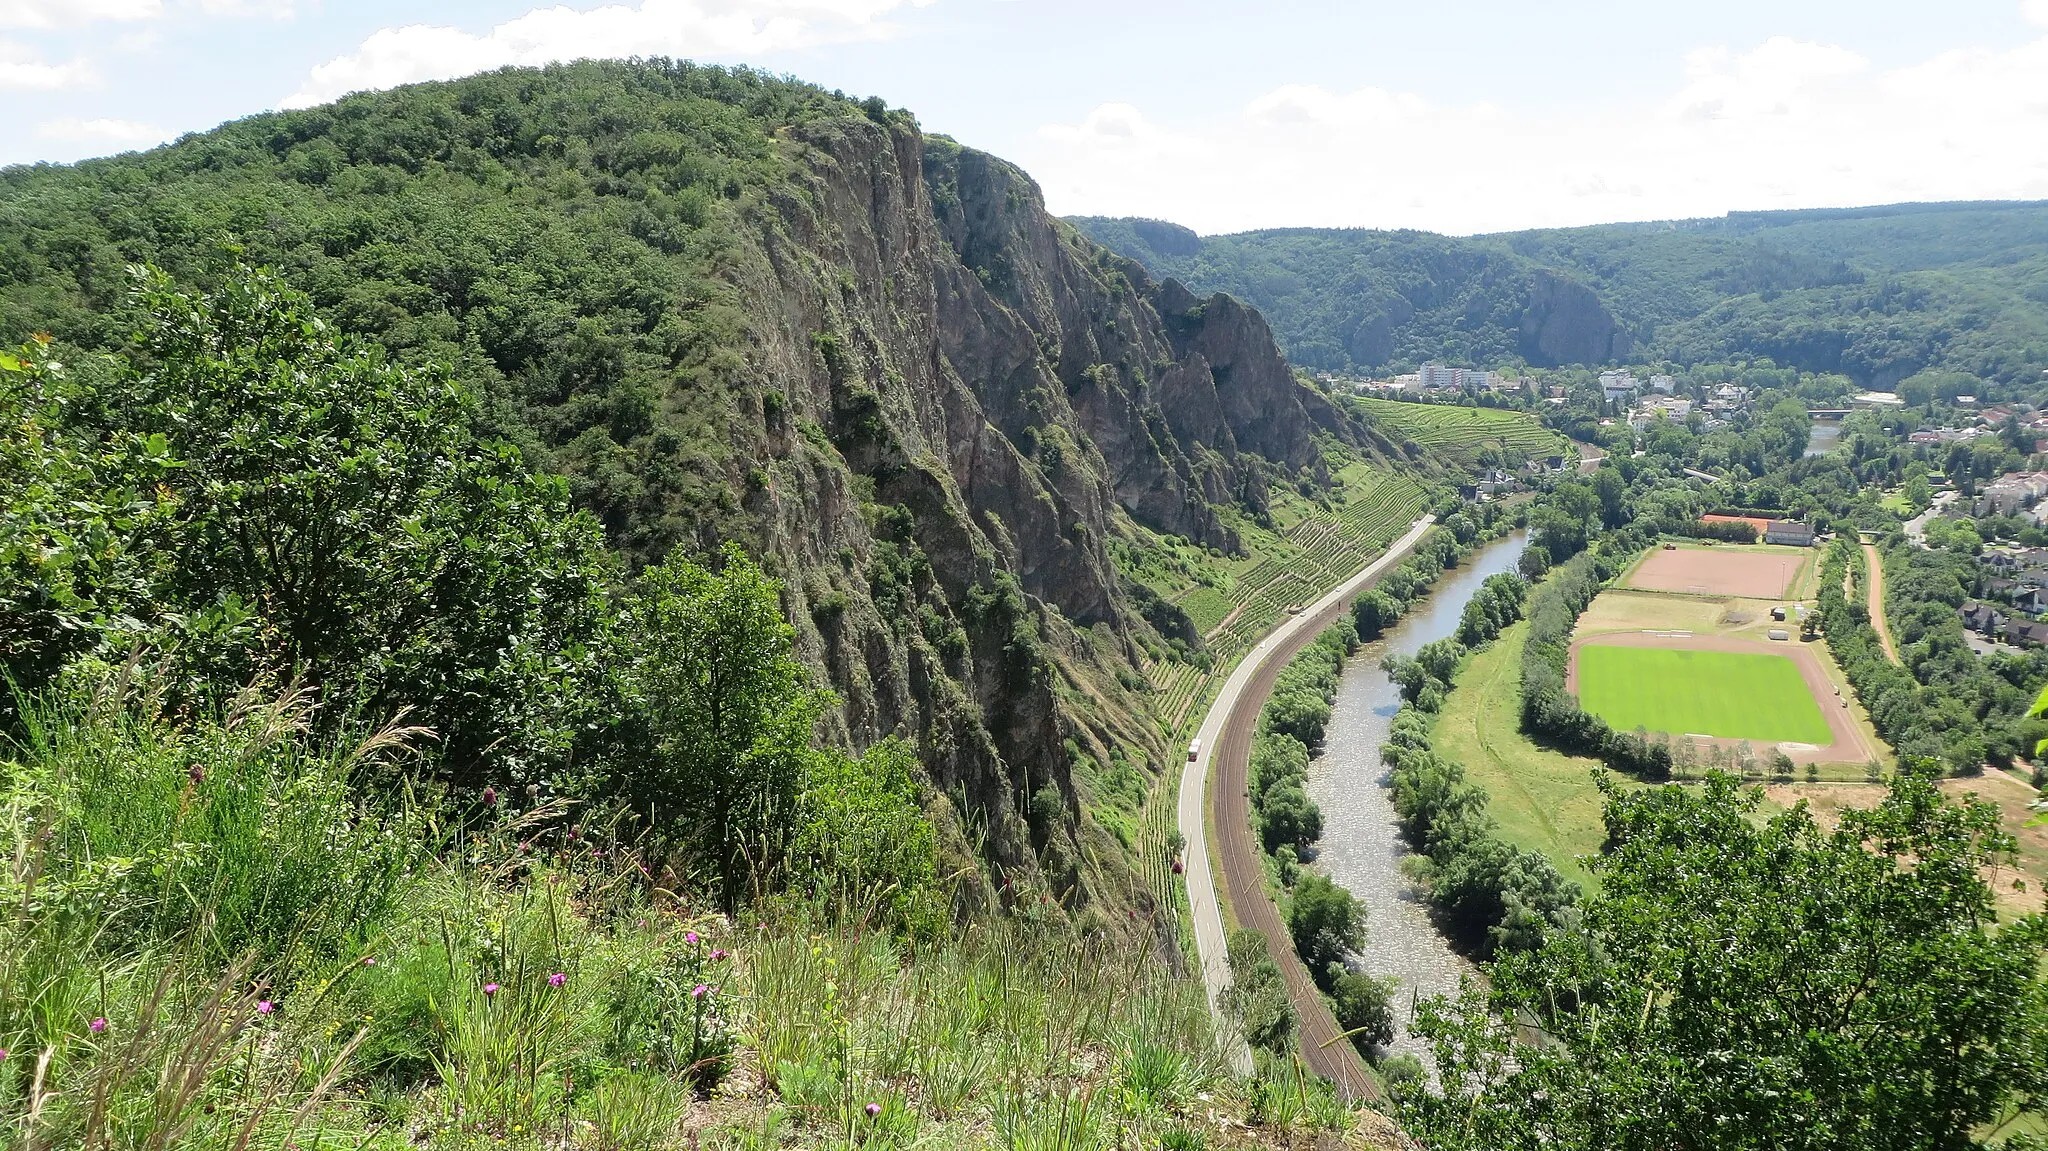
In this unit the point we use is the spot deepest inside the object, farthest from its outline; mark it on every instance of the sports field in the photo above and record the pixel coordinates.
(1732, 570)
(1731, 695)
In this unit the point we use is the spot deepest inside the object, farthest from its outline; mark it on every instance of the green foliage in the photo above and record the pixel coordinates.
(1256, 999)
(1946, 703)
(864, 837)
(729, 714)
(1858, 976)
(1327, 924)
(317, 515)
(556, 234)
(1364, 1007)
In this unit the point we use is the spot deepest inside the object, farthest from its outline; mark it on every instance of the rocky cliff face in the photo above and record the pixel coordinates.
(1565, 323)
(962, 402)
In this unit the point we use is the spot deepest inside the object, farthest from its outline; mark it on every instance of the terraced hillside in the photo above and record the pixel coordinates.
(1459, 432)
(1233, 602)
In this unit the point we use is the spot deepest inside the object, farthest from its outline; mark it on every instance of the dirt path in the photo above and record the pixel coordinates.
(1849, 745)
(1226, 741)
(1877, 618)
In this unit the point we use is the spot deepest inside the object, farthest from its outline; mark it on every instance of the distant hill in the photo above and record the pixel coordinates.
(1878, 293)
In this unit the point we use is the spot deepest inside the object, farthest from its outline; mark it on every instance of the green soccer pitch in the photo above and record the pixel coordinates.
(1726, 694)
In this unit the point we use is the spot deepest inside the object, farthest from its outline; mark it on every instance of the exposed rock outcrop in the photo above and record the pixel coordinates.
(973, 397)
(1565, 323)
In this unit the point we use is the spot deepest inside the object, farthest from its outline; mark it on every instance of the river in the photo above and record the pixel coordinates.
(1361, 846)
(1825, 437)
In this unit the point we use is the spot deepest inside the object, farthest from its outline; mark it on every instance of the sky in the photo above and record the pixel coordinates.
(1461, 116)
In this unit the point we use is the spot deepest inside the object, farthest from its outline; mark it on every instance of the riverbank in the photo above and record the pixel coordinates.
(1361, 848)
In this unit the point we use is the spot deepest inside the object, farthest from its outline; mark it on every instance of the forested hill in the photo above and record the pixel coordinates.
(732, 307)
(1876, 293)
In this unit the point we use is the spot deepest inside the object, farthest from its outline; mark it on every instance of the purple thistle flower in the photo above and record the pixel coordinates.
(369, 961)
(557, 979)
(196, 773)
(265, 1007)
(874, 1109)
(699, 991)
(720, 954)
(3, 1055)
(98, 1025)
(690, 937)
(490, 797)
(490, 989)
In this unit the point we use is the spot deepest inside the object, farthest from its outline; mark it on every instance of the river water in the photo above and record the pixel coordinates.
(1361, 846)
(1825, 437)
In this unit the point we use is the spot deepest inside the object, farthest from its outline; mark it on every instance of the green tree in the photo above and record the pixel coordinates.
(1364, 1007)
(1256, 999)
(729, 710)
(326, 517)
(1752, 982)
(1327, 923)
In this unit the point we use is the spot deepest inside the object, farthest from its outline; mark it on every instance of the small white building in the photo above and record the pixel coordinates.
(1664, 384)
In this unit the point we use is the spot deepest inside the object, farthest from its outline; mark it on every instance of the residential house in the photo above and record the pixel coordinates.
(2026, 632)
(1664, 384)
(1981, 618)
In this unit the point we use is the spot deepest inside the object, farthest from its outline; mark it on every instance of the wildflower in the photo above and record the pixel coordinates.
(690, 937)
(490, 797)
(265, 1007)
(720, 954)
(557, 979)
(490, 989)
(699, 991)
(98, 1025)
(369, 961)
(524, 847)
(3, 1055)
(874, 1109)
(196, 773)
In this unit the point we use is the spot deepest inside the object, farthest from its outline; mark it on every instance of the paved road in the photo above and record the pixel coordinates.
(1231, 721)
(1875, 563)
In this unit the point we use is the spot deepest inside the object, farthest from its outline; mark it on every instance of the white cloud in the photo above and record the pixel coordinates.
(47, 14)
(1785, 124)
(2035, 11)
(696, 28)
(22, 67)
(267, 9)
(102, 130)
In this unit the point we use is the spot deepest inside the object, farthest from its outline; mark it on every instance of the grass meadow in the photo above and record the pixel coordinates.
(1730, 695)
(1544, 800)
(218, 932)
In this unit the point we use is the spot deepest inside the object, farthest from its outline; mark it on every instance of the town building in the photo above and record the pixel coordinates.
(1790, 532)
(1619, 385)
(1877, 400)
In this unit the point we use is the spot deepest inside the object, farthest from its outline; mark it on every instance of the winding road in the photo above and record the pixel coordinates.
(1226, 739)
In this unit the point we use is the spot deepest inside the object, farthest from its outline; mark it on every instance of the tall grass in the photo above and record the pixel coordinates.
(218, 932)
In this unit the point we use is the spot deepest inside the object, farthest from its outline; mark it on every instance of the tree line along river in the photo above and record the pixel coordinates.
(1361, 847)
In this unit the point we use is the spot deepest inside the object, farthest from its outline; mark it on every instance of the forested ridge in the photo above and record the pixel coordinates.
(1877, 293)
